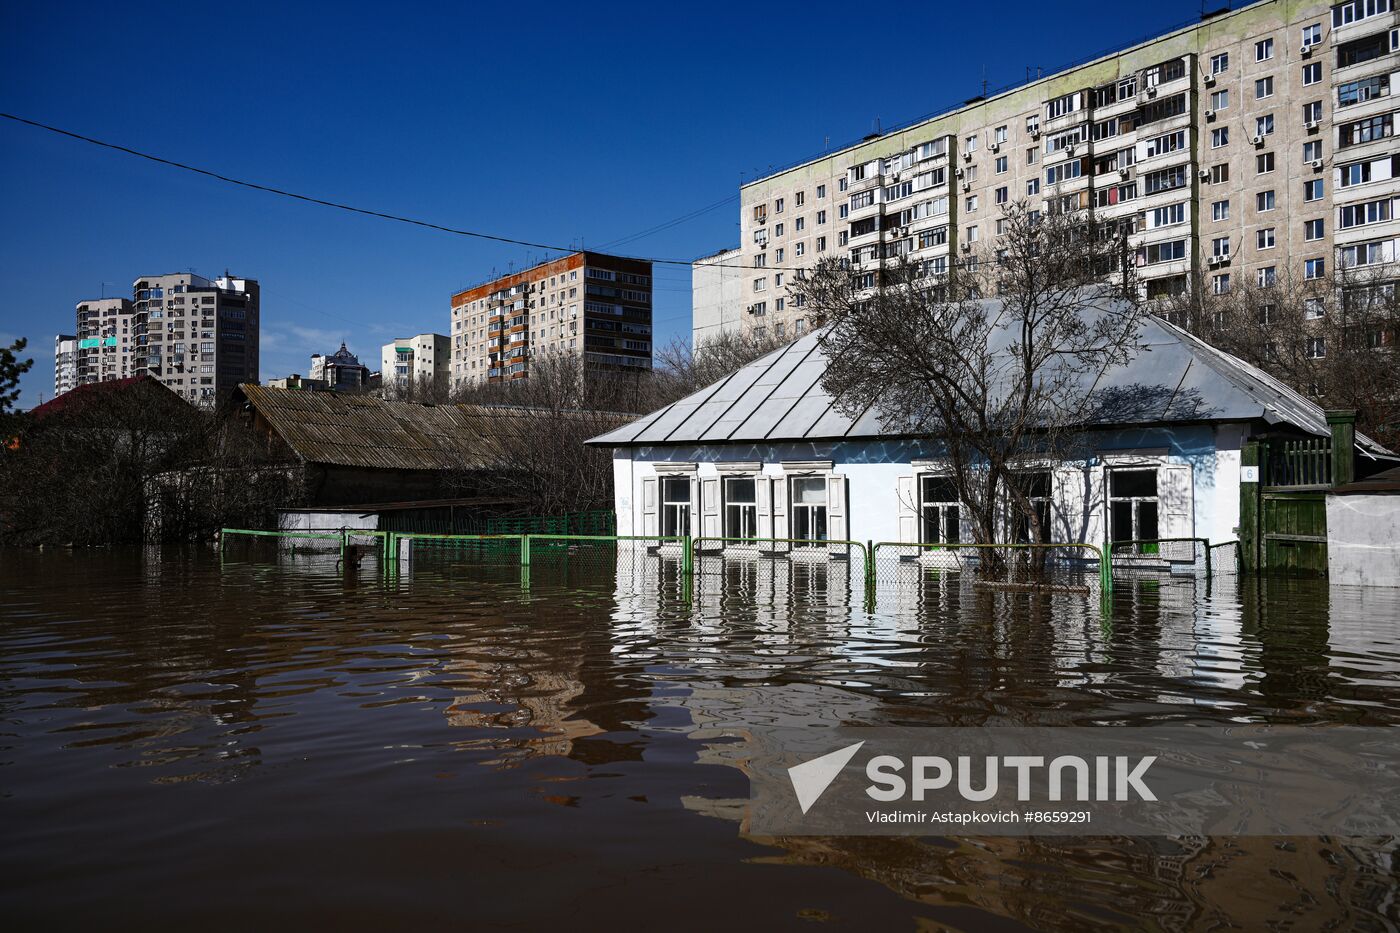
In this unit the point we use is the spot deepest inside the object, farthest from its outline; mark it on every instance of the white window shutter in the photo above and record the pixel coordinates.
(1176, 509)
(836, 529)
(908, 510)
(780, 507)
(709, 508)
(694, 528)
(763, 495)
(650, 521)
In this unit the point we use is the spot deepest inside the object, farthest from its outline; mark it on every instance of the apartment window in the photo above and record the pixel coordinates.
(1370, 212)
(1001, 195)
(821, 218)
(1220, 284)
(1219, 63)
(1312, 34)
(1264, 126)
(1168, 216)
(778, 206)
(1264, 201)
(1133, 507)
(1220, 210)
(1312, 73)
(1264, 88)
(799, 224)
(1267, 277)
(1312, 151)
(1001, 165)
(1033, 187)
(939, 519)
(821, 244)
(1263, 163)
(1220, 247)
(821, 192)
(1317, 348)
(1362, 50)
(1358, 92)
(760, 261)
(1312, 190)
(1312, 112)
(1365, 131)
(801, 198)
(972, 234)
(1219, 173)
(1170, 251)
(841, 184)
(842, 238)
(1313, 229)
(799, 249)
(1264, 239)
(675, 506)
(808, 508)
(971, 203)
(1314, 268)
(778, 256)
(970, 143)
(779, 230)
(1032, 155)
(1313, 308)
(999, 134)
(843, 211)
(1220, 100)
(1263, 50)
(1219, 137)
(760, 284)
(1033, 123)
(740, 507)
(1356, 10)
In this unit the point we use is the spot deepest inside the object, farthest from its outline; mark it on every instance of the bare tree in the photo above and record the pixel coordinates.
(683, 369)
(999, 384)
(1332, 339)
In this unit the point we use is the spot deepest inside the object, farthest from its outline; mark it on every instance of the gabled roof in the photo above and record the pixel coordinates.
(363, 431)
(89, 393)
(1176, 378)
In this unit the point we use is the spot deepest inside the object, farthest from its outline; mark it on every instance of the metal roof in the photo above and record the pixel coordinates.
(363, 431)
(1175, 378)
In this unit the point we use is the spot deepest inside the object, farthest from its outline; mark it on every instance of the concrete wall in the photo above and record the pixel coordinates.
(717, 296)
(1363, 539)
(311, 520)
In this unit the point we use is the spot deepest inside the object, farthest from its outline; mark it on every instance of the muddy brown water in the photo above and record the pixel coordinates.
(273, 743)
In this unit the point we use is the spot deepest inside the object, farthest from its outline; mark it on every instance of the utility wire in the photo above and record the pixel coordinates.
(382, 215)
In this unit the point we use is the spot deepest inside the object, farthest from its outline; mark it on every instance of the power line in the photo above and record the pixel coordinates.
(368, 212)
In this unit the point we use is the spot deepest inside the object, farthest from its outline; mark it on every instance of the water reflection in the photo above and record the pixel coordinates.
(170, 722)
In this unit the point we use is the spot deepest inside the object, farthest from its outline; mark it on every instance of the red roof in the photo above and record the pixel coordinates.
(90, 392)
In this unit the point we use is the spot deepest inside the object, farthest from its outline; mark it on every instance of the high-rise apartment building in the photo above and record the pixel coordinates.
(590, 305)
(197, 336)
(717, 294)
(411, 360)
(1257, 143)
(65, 363)
(104, 339)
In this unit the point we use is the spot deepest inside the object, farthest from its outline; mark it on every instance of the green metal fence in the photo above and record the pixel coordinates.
(1064, 567)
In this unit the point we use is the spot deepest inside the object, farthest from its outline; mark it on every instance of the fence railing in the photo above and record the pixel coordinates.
(1305, 461)
(1026, 564)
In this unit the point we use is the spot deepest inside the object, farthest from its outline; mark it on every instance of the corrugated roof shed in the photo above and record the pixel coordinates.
(1176, 378)
(363, 431)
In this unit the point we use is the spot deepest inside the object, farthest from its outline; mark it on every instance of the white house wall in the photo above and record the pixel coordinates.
(1199, 466)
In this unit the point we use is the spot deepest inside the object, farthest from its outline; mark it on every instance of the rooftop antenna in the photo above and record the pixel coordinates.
(826, 144)
(104, 289)
(984, 80)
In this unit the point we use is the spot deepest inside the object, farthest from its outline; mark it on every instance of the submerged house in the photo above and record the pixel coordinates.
(765, 453)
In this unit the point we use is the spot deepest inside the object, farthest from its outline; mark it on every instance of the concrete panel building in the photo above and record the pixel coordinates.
(717, 295)
(197, 336)
(590, 305)
(1256, 143)
(104, 340)
(65, 363)
(411, 360)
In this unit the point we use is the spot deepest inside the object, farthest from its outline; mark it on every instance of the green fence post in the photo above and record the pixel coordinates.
(1253, 455)
(524, 550)
(1205, 542)
(687, 555)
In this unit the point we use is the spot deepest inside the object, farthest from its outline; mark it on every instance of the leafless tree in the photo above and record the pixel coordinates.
(435, 390)
(999, 384)
(682, 368)
(1334, 339)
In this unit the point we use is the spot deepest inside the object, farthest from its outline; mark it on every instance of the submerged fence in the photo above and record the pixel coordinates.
(858, 569)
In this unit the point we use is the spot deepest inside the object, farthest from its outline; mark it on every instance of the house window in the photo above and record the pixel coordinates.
(1037, 488)
(1264, 88)
(1219, 63)
(1132, 503)
(1312, 190)
(809, 508)
(675, 506)
(1263, 50)
(1312, 73)
(938, 510)
(740, 507)
(1317, 348)
(1314, 268)
(1312, 229)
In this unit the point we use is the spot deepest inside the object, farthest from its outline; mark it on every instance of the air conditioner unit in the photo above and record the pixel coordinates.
(996, 147)
(958, 173)
(1306, 50)
(1210, 114)
(1214, 260)
(967, 157)
(1316, 164)
(1069, 150)
(1205, 173)
(967, 186)
(903, 231)
(1035, 133)
(1310, 125)
(1152, 92)
(1210, 80)
(967, 247)
(1258, 140)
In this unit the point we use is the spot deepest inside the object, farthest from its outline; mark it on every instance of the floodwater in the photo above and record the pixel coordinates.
(274, 743)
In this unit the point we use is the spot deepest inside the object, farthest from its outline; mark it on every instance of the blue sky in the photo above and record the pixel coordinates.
(555, 124)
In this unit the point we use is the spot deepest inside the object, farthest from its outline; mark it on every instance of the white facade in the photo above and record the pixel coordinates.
(717, 295)
(409, 360)
(876, 490)
(65, 363)
(1363, 539)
